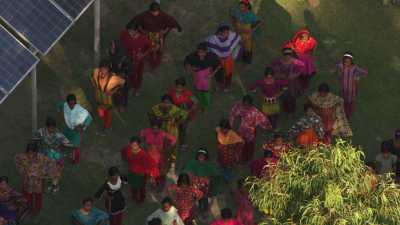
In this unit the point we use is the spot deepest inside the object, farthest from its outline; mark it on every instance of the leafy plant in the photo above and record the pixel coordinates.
(327, 185)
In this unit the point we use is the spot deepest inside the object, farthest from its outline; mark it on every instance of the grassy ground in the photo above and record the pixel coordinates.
(363, 26)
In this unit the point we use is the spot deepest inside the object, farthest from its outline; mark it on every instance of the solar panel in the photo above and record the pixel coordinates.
(16, 61)
(39, 21)
(74, 8)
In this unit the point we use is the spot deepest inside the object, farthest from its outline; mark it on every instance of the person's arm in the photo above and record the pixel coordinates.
(75, 221)
(100, 191)
(360, 72)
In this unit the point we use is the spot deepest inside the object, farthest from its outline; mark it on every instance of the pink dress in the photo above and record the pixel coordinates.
(245, 208)
(227, 222)
(201, 79)
(157, 142)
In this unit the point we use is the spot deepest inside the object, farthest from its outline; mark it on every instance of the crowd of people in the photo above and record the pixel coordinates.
(152, 153)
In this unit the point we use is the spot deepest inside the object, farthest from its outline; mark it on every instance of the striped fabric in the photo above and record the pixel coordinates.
(224, 48)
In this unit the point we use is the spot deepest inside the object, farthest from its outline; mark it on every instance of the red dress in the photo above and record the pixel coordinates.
(183, 100)
(157, 146)
(139, 163)
(304, 50)
(134, 47)
(185, 198)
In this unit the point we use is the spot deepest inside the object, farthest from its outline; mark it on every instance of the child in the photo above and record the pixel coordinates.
(386, 161)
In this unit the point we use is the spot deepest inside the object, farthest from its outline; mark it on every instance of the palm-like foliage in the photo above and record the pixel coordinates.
(328, 185)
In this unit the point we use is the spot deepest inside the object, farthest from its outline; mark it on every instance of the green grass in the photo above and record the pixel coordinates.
(362, 26)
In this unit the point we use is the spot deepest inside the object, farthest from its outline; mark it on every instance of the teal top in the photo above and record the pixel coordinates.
(95, 217)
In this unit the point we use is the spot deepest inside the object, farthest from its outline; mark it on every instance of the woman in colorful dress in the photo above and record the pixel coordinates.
(186, 196)
(227, 218)
(137, 47)
(13, 205)
(158, 145)
(304, 45)
(111, 190)
(245, 22)
(250, 118)
(183, 98)
(229, 145)
(77, 120)
(288, 68)
(105, 84)
(349, 75)
(170, 115)
(34, 169)
(203, 64)
(156, 24)
(271, 89)
(277, 146)
(308, 131)
(88, 215)
(245, 208)
(225, 44)
(141, 168)
(330, 108)
(204, 175)
(53, 144)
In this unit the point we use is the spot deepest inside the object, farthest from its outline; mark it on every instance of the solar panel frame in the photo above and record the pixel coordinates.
(4, 93)
(75, 16)
(26, 38)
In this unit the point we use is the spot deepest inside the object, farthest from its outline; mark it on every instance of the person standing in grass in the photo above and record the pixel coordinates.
(227, 218)
(204, 175)
(288, 69)
(203, 64)
(34, 169)
(121, 65)
(245, 213)
(137, 47)
(77, 120)
(225, 44)
(156, 24)
(88, 215)
(330, 108)
(158, 145)
(169, 115)
(394, 147)
(250, 118)
(105, 84)
(111, 190)
(264, 166)
(53, 144)
(386, 162)
(183, 98)
(186, 194)
(168, 214)
(309, 130)
(349, 75)
(304, 45)
(246, 23)
(271, 90)
(141, 168)
(13, 205)
(229, 145)
(277, 146)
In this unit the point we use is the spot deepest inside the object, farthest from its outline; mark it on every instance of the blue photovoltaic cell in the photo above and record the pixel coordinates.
(74, 8)
(39, 21)
(16, 62)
